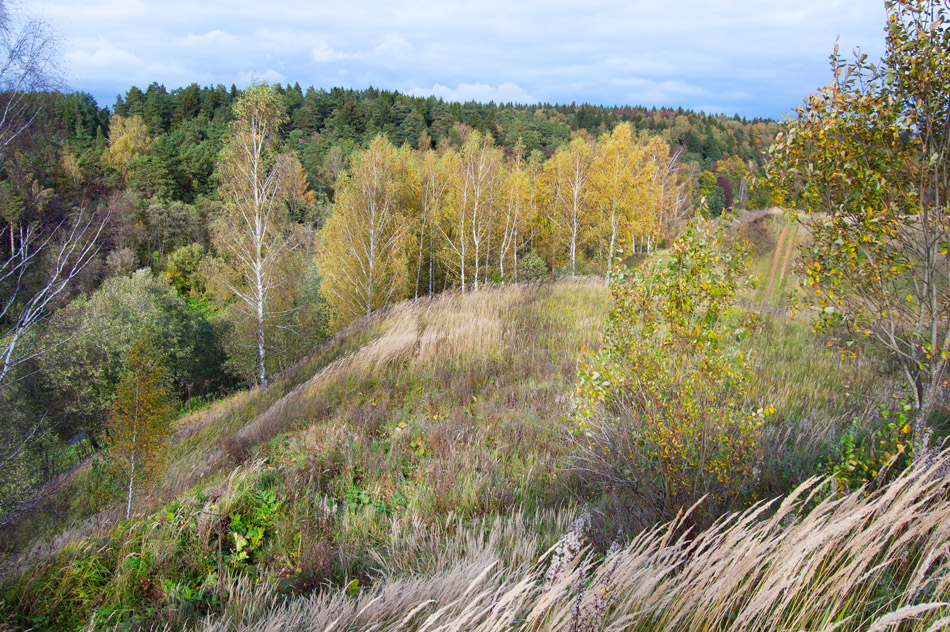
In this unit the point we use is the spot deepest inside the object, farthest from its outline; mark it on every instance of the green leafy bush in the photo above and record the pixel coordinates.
(865, 457)
(660, 412)
(247, 531)
(532, 267)
(94, 333)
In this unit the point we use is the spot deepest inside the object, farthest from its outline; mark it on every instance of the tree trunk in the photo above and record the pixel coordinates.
(515, 253)
(128, 502)
(261, 366)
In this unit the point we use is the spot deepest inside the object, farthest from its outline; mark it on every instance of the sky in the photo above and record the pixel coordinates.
(752, 58)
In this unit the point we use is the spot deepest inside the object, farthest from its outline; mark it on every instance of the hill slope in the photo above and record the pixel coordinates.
(430, 413)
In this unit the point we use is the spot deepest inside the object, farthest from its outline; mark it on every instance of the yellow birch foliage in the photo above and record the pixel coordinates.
(433, 188)
(624, 193)
(667, 203)
(469, 214)
(128, 139)
(138, 425)
(363, 254)
(516, 213)
(567, 192)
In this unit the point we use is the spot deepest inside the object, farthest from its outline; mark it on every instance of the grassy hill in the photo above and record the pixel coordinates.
(426, 416)
(414, 473)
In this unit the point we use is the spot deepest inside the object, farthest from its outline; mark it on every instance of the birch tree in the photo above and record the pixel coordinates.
(468, 224)
(670, 191)
(514, 209)
(869, 159)
(434, 181)
(138, 425)
(57, 257)
(254, 232)
(28, 64)
(616, 172)
(567, 178)
(42, 261)
(128, 140)
(36, 275)
(637, 188)
(363, 250)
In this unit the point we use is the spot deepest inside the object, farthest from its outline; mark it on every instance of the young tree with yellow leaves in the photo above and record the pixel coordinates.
(138, 425)
(434, 179)
(468, 220)
(567, 184)
(617, 177)
(363, 254)
(128, 140)
(671, 198)
(515, 210)
(866, 162)
(300, 199)
(659, 416)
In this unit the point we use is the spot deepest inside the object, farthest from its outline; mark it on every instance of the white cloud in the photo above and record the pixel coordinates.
(391, 49)
(106, 59)
(215, 37)
(106, 56)
(503, 93)
(751, 56)
(324, 54)
(393, 45)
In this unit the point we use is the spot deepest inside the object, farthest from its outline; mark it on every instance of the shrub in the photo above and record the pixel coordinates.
(532, 267)
(659, 412)
(92, 335)
(872, 457)
(582, 267)
(183, 269)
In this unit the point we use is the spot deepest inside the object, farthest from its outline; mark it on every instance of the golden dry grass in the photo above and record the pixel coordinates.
(811, 562)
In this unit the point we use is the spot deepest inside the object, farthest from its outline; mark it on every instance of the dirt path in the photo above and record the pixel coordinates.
(776, 260)
(789, 251)
(754, 216)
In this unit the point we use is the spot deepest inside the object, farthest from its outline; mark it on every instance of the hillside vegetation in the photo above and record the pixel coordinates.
(430, 413)
(425, 442)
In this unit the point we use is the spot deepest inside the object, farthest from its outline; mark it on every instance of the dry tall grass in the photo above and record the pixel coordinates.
(449, 404)
(812, 562)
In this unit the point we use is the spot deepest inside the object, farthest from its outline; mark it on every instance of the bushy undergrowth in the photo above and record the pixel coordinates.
(814, 561)
(662, 416)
